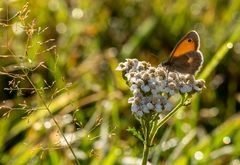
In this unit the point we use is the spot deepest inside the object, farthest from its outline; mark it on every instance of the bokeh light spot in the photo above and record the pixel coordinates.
(61, 28)
(77, 13)
(226, 140)
(229, 45)
(53, 5)
(47, 124)
(37, 126)
(195, 9)
(236, 162)
(17, 28)
(198, 155)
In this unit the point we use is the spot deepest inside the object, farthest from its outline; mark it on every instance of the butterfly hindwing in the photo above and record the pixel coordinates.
(189, 63)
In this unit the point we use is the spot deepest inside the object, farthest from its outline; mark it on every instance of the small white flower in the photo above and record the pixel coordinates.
(190, 78)
(133, 79)
(145, 109)
(159, 88)
(163, 99)
(170, 79)
(155, 99)
(150, 106)
(185, 89)
(131, 100)
(139, 82)
(171, 92)
(140, 67)
(128, 76)
(172, 85)
(136, 92)
(143, 101)
(121, 67)
(161, 72)
(145, 76)
(164, 83)
(133, 87)
(172, 75)
(198, 85)
(196, 88)
(145, 88)
(152, 81)
(134, 108)
(137, 99)
(166, 90)
(168, 106)
(139, 113)
(135, 63)
(158, 107)
(154, 91)
(151, 69)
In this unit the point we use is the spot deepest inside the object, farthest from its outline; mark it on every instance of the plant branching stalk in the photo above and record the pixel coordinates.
(170, 114)
(45, 105)
(165, 119)
(150, 129)
(52, 117)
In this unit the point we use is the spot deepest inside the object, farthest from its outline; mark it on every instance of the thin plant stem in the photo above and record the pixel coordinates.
(170, 114)
(143, 126)
(44, 102)
(150, 128)
(153, 131)
(53, 118)
(146, 143)
(156, 126)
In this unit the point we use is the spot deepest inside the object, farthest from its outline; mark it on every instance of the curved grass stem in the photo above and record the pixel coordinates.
(53, 118)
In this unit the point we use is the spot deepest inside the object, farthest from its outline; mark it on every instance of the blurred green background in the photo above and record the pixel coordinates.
(70, 49)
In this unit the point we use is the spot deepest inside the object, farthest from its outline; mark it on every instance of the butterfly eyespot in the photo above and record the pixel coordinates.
(190, 40)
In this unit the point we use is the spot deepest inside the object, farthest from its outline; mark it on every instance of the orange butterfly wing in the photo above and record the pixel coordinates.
(186, 57)
(188, 43)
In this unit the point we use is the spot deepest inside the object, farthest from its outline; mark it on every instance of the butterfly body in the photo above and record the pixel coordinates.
(186, 57)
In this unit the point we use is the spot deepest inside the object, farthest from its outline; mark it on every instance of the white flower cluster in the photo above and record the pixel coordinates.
(153, 86)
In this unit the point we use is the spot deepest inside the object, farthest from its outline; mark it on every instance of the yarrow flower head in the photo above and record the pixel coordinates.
(152, 87)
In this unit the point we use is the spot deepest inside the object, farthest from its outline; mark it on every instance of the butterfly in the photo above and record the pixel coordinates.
(186, 57)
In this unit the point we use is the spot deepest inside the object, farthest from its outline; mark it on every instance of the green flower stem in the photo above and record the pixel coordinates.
(153, 131)
(150, 128)
(157, 124)
(146, 142)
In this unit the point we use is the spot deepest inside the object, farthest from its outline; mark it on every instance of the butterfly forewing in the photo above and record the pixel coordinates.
(185, 57)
